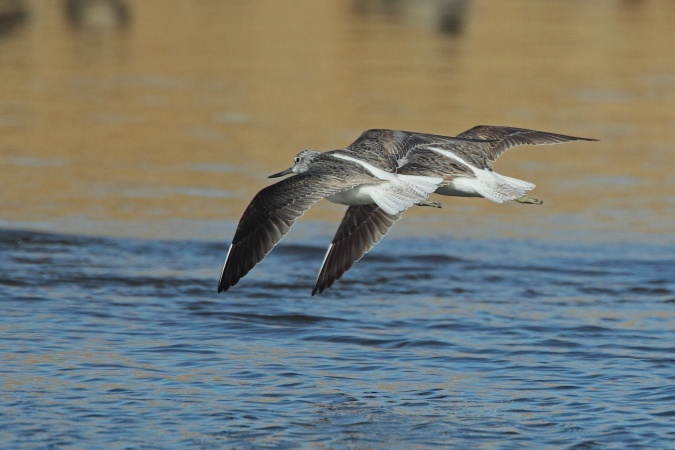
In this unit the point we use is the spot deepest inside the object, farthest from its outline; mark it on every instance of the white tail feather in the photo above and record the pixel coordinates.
(403, 192)
(391, 201)
(500, 188)
(518, 184)
(488, 183)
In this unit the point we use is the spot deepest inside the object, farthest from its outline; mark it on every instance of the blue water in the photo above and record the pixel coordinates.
(427, 342)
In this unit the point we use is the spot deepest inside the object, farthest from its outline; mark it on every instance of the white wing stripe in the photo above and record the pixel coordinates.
(399, 192)
(451, 155)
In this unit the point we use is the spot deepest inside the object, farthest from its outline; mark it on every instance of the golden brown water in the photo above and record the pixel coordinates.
(162, 118)
(177, 110)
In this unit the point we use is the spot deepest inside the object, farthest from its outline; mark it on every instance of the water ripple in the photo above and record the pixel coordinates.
(112, 342)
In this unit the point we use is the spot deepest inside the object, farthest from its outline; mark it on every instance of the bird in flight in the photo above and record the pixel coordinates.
(379, 176)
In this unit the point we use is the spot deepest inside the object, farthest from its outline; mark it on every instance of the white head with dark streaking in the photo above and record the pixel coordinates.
(301, 163)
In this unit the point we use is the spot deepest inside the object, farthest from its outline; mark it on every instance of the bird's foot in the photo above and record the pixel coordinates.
(429, 203)
(528, 200)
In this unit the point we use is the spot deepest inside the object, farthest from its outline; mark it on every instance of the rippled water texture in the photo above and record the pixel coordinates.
(468, 343)
(133, 133)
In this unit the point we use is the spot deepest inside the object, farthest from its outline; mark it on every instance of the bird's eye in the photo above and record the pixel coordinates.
(296, 159)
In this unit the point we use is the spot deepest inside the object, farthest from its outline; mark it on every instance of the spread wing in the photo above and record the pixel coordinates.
(362, 227)
(270, 215)
(390, 148)
(500, 139)
(478, 146)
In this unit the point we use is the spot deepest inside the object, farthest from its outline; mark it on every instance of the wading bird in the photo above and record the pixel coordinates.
(380, 175)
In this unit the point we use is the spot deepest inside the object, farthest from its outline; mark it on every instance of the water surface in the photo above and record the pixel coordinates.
(112, 342)
(176, 110)
(134, 133)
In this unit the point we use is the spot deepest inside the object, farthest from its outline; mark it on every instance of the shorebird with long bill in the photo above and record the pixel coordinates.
(380, 176)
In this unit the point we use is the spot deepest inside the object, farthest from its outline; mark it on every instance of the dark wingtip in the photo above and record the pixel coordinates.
(222, 287)
(223, 283)
(320, 287)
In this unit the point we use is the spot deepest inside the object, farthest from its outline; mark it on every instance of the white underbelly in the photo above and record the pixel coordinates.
(359, 195)
(460, 187)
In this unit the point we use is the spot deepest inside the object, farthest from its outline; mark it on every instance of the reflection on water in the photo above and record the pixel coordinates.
(121, 93)
(449, 16)
(13, 14)
(474, 325)
(98, 14)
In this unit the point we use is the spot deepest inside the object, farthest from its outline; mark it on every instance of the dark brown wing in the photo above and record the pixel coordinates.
(270, 215)
(388, 148)
(504, 138)
(361, 228)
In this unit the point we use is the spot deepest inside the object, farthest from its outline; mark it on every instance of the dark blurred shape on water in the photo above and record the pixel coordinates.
(448, 16)
(13, 14)
(98, 13)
